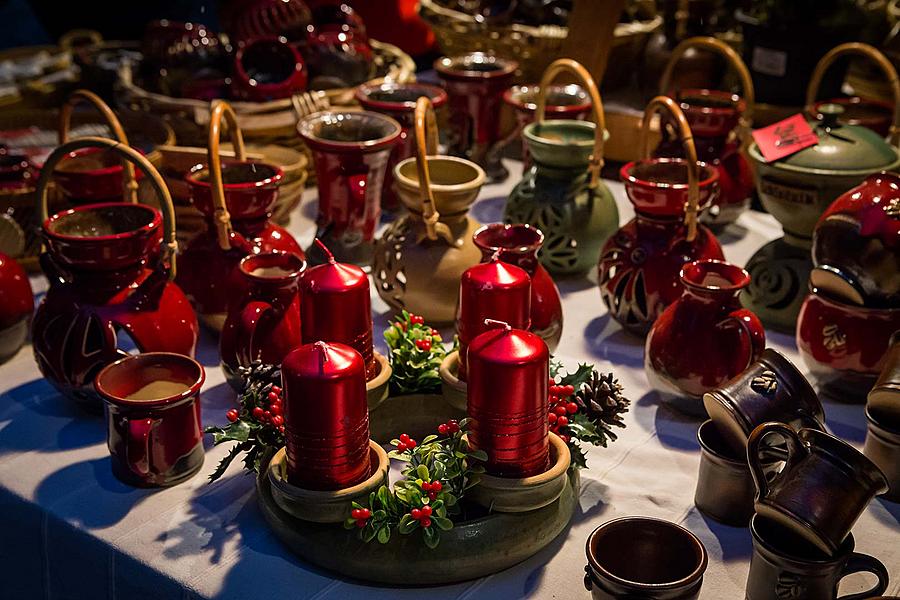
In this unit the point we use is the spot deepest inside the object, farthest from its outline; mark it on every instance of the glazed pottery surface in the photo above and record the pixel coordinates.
(704, 338)
(153, 417)
(519, 245)
(351, 151)
(822, 490)
(266, 69)
(771, 389)
(16, 306)
(643, 557)
(263, 322)
(844, 345)
(724, 485)
(786, 566)
(884, 397)
(883, 447)
(779, 275)
(91, 175)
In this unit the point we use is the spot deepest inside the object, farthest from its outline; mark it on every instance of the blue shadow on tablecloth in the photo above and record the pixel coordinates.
(607, 340)
(489, 210)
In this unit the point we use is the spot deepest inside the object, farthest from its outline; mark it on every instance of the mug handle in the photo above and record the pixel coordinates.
(794, 449)
(251, 315)
(751, 324)
(137, 447)
(863, 563)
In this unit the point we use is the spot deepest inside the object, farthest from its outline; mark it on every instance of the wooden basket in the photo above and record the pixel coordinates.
(533, 47)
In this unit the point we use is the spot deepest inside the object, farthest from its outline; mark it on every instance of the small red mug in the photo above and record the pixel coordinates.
(154, 431)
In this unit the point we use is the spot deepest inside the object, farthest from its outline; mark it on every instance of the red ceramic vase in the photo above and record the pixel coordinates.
(519, 245)
(640, 265)
(703, 339)
(263, 322)
(267, 68)
(251, 189)
(154, 429)
(16, 306)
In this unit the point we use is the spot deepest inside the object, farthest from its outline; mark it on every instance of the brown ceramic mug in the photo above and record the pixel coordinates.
(724, 484)
(821, 491)
(884, 397)
(643, 557)
(770, 389)
(883, 448)
(784, 565)
(154, 431)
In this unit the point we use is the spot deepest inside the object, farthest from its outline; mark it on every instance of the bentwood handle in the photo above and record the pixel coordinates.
(863, 563)
(727, 52)
(795, 449)
(567, 65)
(859, 49)
(661, 104)
(80, 37)
(221, 109)
(65, 120)
(170, 245)
(426, 145)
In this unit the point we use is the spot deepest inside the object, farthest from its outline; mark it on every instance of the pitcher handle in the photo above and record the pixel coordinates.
(170, 244)
(219, 110)
(795, 449)
(129, 183)
(251, 316)
(863, 563)
(860, 49)
(567, 65)
(753, 327)
(137, 446)
(426, 145)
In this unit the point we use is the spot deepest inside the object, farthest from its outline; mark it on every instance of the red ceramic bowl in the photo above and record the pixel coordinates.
(658, 186)
(251, 188)
(710, 113)
(268, 69)
(569, 101)
(398, 99)
(92, 175)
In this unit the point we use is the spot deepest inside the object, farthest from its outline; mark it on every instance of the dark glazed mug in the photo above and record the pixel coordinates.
(643, 557)
(786, 566)
(883, 448)
(884, 397)
(822, 490)
(154, 431)
(724, 484)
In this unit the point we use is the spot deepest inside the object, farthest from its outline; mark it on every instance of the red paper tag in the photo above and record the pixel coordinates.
(785, 137)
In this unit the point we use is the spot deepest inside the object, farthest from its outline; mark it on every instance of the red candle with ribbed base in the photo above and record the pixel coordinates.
(326, 418)
(492, 290)
(507, 400)
(335, 306)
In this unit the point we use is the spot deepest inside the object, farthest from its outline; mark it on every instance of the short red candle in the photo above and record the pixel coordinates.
(336, 306)
(493, 290)
(326, 418)
(507, 400)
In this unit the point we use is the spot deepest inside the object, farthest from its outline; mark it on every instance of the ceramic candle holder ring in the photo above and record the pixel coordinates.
(454, 389)
(377, 387)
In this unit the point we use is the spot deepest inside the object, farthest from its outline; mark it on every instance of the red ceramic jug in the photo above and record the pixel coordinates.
(519, 245)
(264, 316)
(704, 338)
(110, 268)
(16, 306)
(717, 120)
(640, 264)
(236, 198)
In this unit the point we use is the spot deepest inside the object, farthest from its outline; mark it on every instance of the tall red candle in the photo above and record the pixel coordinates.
(492, 290)
(336, 307)
(507, 400)
(326, 418)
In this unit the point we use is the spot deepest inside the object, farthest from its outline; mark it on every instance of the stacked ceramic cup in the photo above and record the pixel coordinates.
(883, 417)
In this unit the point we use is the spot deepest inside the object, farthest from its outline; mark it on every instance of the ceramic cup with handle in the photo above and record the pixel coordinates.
(883, 447)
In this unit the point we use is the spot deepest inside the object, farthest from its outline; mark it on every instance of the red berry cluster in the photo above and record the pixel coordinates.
(560, 408)
(272, 410)
(432, 488)
(405, 443)
(361, 515)
(449, 428)
(422, 515)
(417, 319)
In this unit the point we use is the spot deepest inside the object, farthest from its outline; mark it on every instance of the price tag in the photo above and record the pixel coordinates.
(785, 137)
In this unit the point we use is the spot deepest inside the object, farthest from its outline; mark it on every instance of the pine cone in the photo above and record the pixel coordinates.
(601, 400)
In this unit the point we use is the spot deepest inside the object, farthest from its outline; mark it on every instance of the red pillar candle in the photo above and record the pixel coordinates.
(336, 307)
(492, 290)
(326, 418)
(507, 400)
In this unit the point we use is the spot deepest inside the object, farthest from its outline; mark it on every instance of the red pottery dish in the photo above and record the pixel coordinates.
(267, 69)
(519, 245)
(263, 322)
(92, 175)
(398, 101)
(870, 113)
(16, 306)
(110, 283)
(703, 339)
(154, 429)
(351, 151)
(844, 345)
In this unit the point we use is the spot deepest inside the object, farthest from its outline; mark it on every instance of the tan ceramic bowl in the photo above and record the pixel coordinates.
(455, 183)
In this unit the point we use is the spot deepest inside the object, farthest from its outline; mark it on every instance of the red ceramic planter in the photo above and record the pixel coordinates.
(16, 306)
(266, 69)
(705, 338)
(263, 321)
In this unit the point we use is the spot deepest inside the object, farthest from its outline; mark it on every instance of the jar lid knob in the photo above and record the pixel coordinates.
(831, 112)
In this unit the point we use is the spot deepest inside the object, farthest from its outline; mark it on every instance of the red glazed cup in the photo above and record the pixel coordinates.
(659, 186)
(267, 69)
(251, 188)
(154, 431)
(92, 175)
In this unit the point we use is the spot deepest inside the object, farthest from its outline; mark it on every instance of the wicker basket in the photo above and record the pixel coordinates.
(533, 47)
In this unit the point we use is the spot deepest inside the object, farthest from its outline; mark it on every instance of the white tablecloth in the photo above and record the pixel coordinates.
(68, 529)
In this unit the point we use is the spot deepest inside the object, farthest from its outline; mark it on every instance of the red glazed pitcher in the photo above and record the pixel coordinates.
(264, 318)
(640, 264)
(705, 338)
(16, 306)
(236, 198)
(110, 268)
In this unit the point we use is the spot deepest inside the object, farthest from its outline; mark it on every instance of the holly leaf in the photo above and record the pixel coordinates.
(226, 462)
(579, 378)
